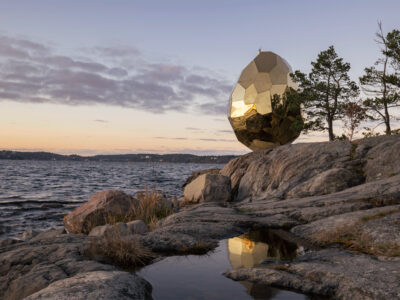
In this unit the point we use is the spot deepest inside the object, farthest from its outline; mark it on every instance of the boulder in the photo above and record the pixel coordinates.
(208, 188)
(196, 174)
(312, 169)
(95, 286)
(102, 208)
(122, 229)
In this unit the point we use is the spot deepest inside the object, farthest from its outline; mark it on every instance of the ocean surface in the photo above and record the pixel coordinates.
(37, 194)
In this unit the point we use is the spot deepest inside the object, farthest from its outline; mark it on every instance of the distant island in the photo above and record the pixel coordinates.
(171, 158)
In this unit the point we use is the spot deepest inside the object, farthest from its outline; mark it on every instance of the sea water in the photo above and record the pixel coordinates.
(37, 194)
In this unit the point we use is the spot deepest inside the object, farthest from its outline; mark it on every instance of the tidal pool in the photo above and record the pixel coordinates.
(195, 277)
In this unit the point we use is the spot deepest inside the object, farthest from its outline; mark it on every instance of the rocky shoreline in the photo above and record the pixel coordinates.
(343, 197)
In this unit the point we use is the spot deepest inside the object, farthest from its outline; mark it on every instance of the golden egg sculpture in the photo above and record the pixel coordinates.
(258, 112)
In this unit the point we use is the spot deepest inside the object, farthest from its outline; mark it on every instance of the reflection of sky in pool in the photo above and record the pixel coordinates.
(195, 277)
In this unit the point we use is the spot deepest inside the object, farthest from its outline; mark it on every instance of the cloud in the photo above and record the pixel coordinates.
(170, 138)
(120, 51)
(199, 139)
(220, 120)
(217, 140)
(121, 76)
(224, 131)
(193, 128)
(20, 48)
(213, 108)
(101, 121)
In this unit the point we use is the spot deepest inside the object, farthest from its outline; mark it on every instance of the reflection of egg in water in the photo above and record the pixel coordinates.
(246, 253)
(249, 244)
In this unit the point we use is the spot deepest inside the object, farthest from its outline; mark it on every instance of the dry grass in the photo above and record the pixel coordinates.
(379, 202)
(121, 251)
(151, 207)
(352, 238)
(114, 218)
(244, 210)
(379, 215)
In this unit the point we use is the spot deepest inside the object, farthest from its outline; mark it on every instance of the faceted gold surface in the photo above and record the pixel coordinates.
(252, 111)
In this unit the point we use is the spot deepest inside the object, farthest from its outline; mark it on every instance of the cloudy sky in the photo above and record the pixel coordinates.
(155, 76)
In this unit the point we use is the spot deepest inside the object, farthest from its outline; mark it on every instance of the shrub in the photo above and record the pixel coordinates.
(352, 238)
(151, 207)
(122, 251)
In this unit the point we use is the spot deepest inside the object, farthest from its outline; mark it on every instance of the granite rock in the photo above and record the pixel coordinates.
(97, 285)
(102, 208)
(122, 229)
(208, 188)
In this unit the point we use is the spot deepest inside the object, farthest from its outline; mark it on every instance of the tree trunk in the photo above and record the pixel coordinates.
(387, 116)
(388, 130)
(330, 130)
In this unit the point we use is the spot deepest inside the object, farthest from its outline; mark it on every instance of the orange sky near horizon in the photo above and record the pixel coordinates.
(102, 129)
(109, 129)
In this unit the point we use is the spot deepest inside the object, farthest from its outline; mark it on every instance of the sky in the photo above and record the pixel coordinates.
(115, 76)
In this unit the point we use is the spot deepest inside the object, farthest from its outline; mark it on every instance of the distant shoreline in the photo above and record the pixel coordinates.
(144, 157)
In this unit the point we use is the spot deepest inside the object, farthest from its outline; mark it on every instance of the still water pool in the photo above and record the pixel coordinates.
(198, 277)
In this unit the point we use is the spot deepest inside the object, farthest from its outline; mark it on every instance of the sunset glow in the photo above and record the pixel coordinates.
(107, 87)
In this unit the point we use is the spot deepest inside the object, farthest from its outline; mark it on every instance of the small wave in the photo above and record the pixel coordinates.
(11, 197)
(39, 202)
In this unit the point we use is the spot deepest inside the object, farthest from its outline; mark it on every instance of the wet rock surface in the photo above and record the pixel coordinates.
(194, 227)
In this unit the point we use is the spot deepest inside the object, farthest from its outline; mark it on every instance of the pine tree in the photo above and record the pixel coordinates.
(381, 82)
(325, 91)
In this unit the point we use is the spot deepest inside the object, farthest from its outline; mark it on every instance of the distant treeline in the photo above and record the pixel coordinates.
(171, 158)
